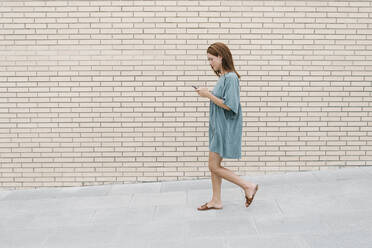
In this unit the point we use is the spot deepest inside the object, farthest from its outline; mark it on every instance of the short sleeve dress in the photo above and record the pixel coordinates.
(225, 127)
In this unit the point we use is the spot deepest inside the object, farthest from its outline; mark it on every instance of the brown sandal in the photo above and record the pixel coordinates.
(248, 201)
(205, 207)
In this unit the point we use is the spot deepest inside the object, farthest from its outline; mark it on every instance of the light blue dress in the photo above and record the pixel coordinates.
(225, 127)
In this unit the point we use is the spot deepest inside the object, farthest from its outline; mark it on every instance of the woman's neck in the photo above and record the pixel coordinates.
(223, 72)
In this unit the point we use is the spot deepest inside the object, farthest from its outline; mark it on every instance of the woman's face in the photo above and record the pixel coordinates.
(215, 62)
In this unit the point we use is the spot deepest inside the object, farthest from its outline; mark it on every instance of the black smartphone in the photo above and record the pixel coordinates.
(194, 87)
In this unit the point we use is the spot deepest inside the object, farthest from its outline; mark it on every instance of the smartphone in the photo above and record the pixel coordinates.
(194, 87)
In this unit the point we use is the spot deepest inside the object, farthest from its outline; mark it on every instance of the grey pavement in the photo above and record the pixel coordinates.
(328, 208)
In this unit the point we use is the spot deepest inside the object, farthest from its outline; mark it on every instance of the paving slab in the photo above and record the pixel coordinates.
(328, 208)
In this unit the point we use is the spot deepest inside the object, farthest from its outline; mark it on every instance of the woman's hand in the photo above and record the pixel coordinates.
(203, 92)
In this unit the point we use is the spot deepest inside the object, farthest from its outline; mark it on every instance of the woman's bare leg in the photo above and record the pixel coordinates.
(216, 168)
(216, 186)
(217, 173)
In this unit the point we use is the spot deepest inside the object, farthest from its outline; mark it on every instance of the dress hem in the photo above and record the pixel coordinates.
(230, 157)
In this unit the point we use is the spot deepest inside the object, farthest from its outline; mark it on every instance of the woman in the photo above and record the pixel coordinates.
(225, 125)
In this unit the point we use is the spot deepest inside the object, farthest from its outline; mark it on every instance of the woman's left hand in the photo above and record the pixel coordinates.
(203, 92)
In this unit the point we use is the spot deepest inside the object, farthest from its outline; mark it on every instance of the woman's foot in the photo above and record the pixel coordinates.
(210, 205)
(250, 192)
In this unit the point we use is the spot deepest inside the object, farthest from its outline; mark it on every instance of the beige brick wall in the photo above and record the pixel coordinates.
(98, 92)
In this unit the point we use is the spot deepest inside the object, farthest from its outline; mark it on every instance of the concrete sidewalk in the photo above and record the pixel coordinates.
(327, 209)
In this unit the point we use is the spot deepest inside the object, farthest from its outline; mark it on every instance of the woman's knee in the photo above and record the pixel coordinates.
(214, 162)
(213, 168)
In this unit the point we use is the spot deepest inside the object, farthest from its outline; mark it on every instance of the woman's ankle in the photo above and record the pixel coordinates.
(249, 187)
(216, 201)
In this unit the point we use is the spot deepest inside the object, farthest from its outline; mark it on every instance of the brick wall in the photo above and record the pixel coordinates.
(97, 92)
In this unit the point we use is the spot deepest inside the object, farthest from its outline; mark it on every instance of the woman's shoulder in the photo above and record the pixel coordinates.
(231, 76)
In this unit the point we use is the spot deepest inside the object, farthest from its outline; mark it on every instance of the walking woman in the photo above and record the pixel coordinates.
(225, 125)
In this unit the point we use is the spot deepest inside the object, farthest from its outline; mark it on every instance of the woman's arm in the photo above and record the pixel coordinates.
(203, 92)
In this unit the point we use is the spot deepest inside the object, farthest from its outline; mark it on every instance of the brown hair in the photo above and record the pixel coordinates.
(220, 49)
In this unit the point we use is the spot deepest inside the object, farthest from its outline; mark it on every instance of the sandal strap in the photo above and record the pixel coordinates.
(205, 206)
